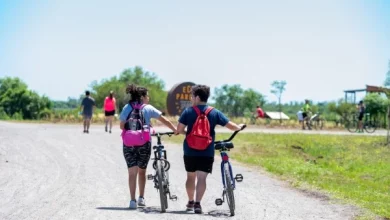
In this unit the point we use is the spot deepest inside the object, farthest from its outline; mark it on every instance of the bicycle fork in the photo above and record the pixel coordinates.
(238, 178)
(165, 186)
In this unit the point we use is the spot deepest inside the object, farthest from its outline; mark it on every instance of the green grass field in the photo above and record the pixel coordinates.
(355, 169)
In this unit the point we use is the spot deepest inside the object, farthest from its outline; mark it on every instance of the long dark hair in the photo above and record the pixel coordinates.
(136, 92)
(111, 94)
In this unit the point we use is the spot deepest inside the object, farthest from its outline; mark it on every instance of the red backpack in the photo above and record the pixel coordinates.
(200, 137)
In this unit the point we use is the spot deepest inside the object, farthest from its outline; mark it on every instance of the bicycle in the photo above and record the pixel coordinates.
(161, 165)
(368, 125)
(316, 121)
(229, 183)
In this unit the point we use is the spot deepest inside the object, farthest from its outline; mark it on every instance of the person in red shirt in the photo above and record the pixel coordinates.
(259, 112)
(109, 109)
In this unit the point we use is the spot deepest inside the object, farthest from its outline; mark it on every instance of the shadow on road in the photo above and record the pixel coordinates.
(150, 210)
(182, 213)
(115, 208)
(157, 210)
(219, 213)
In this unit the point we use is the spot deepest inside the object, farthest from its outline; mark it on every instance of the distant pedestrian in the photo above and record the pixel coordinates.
(109, 109)
(87, 107)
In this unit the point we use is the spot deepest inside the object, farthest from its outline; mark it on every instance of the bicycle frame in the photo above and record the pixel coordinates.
(225, 160)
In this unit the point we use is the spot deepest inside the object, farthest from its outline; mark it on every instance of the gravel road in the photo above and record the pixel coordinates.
(56, 172)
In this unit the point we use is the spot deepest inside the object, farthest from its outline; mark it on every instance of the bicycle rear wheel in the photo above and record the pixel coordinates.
(352, 126)
(321, 123)
(229, 190)
(370, 127)
(161, 188)
(311, 124)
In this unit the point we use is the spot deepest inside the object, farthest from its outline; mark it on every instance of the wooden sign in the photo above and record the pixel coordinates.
(179, 98)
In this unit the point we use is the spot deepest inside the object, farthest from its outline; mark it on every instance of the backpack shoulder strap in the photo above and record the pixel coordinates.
(208, 110)
(196, 110)
(132, 109)
(141, 113)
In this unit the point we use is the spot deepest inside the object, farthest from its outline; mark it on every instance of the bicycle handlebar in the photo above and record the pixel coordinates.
(163, 133)
(232, 136)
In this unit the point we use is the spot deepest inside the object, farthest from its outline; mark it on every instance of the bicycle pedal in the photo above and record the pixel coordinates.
(218, 202)
(150, 177)
(173, 197)
(239, 178)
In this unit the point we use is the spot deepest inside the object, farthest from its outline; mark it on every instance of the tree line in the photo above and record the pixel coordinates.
(18, 102)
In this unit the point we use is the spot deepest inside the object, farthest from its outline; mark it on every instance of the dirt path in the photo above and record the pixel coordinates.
(57, 172)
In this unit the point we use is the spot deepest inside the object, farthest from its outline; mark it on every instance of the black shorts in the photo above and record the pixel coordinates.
(137, 156)
(109, 113)
(361, 116)
(304, 115)
(193, 164)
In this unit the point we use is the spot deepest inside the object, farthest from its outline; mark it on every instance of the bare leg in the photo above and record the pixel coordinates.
(106, 121)
(88, 123)
(190, 185)
(110, 119)
(200, 185)
(85, 124)
(141, 181)
(133, 181)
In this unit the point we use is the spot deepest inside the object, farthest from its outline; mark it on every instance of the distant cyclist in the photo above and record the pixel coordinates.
(306, 110)
(361, 110)
(109, 109)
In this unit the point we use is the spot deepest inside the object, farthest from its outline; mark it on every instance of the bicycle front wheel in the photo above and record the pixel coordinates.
(161, 188)
(229, 190)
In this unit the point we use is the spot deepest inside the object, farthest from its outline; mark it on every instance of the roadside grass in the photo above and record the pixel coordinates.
(355, 169)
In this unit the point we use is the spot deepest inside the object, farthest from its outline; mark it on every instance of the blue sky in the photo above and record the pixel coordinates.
(319, 47)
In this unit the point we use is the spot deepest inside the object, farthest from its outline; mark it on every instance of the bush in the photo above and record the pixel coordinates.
(3, 115)
(17, 116)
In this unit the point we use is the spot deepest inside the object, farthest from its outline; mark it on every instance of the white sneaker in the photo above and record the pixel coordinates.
(141, 201)
(133, 204)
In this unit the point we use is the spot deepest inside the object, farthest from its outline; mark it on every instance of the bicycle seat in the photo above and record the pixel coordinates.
(220, 145)
(160, 146)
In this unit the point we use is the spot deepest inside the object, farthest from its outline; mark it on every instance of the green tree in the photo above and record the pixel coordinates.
(136, 76)
(235, 101)
(278, 89)
(71, 103)
(375, 104)
(387, 92)
(342, 108)
(16, 99)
